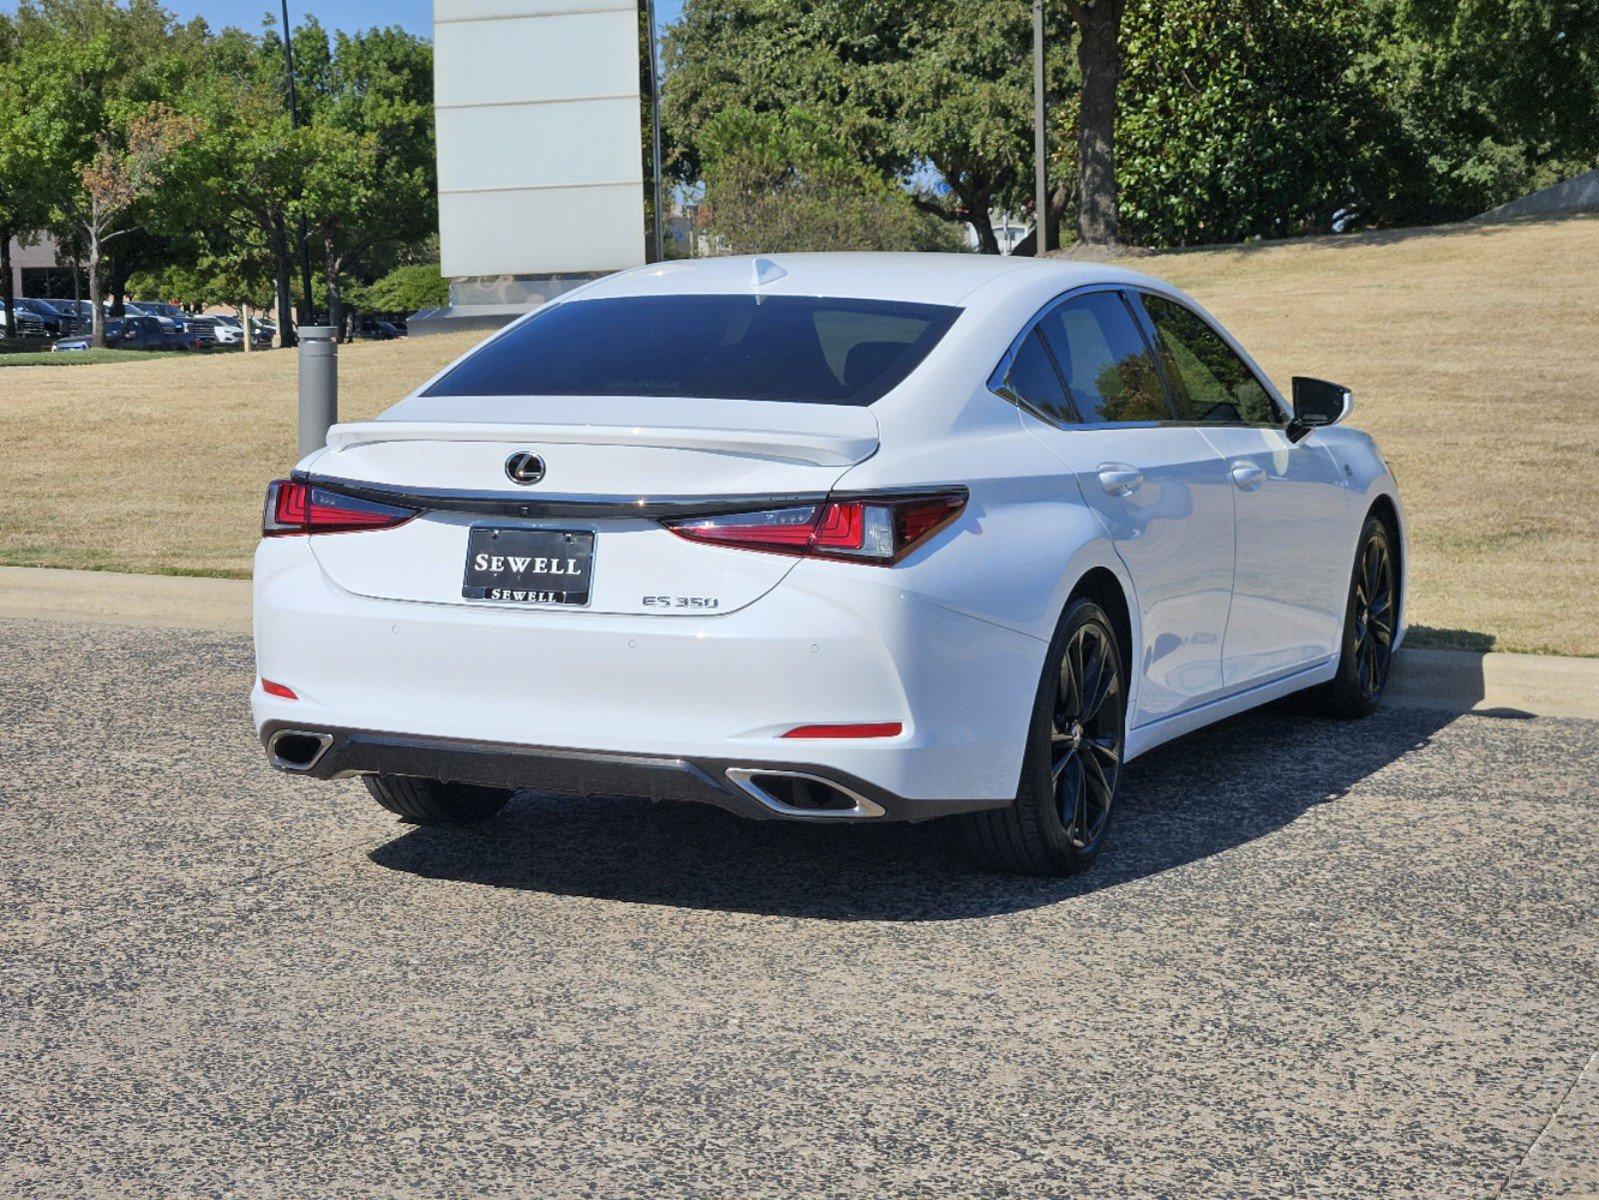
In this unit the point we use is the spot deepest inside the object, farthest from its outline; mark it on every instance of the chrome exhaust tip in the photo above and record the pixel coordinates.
(797, 794)
(296, 750)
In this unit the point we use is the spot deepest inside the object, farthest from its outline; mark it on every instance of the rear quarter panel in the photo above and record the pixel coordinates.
(1025, 537)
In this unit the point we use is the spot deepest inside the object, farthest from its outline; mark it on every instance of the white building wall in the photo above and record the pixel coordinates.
(540, 165)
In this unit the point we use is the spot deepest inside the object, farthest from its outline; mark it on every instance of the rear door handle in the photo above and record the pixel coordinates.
(1119, 479)
(1248, 476)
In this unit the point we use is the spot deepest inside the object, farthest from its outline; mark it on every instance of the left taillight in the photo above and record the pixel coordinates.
(293, 507)
(876, 529)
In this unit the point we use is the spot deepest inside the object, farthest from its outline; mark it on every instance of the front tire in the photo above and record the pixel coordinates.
(433, 802)
(1370, 621)
(1072, 764)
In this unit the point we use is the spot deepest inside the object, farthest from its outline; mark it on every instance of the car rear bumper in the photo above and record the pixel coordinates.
(761, 791)
(679, 707)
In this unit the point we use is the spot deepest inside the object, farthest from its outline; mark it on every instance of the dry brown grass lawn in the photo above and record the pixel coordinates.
(160, 465)
(1473, 352)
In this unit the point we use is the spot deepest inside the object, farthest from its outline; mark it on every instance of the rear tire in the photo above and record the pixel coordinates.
(1370, 621)
(433, 802)
(1072, 764)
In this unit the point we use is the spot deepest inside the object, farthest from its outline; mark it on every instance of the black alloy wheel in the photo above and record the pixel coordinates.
(1072, 761)
(1374, 617)
(1370, 623)
(1086, 734)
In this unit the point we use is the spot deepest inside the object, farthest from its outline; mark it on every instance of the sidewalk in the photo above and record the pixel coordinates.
(167, 601)
(1454, 680)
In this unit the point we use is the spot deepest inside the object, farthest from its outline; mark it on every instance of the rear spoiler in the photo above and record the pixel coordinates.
(839, 447)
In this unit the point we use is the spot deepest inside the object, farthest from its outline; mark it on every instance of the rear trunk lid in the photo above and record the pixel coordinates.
(610, 465)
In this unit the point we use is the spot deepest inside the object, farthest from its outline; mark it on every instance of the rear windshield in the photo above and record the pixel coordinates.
(800, 349)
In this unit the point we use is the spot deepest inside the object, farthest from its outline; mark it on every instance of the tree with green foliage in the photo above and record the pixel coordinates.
(247, 169)
(406, 289)
(959, 91)
(781, 182)
(96, 80)
(1494, 98)
(24, 191)
(1243, 118)
(901, 87)
(370, 182)
(129, 162)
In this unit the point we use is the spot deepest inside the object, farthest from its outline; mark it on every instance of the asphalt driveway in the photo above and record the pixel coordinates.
(1319, 959)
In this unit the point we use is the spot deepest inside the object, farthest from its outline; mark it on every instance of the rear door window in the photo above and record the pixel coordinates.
(1109, 370)
(1036, 383)
(798, 349)
(1213, 384)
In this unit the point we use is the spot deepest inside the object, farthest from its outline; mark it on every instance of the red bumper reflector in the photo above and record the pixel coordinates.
(277, 689)
(877, 730)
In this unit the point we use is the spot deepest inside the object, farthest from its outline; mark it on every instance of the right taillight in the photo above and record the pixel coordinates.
(876, 529)
(293, 506)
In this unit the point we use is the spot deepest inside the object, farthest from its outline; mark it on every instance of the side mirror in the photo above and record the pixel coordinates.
(1317, 403)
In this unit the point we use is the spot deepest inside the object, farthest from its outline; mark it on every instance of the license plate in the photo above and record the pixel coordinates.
(529, 566)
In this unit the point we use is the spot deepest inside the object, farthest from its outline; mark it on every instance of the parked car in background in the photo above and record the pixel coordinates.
(148, 333)
(27, 324)
(201, 334)
(170, 315)
(377, 331)
(81, 312)
(230, 332)
(52, 320)
(125, 333)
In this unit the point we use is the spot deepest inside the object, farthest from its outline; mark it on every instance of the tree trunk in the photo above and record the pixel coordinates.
(330, 270)
(282, 273)
(96, 317)
(1099, 62)
(974, 210)
(115, 286)
(987, 239)
(1058, 201)
(244, 316)
(8, 286)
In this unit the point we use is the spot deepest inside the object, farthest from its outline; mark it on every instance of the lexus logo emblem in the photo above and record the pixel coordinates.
(524, 467)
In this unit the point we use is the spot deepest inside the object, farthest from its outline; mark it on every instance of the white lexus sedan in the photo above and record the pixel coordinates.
(827, 538)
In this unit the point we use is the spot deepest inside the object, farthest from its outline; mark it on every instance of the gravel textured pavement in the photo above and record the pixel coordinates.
(1318, 959)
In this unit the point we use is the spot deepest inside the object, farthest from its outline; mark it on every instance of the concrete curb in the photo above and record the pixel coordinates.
(1505, 684)
(1451, 680)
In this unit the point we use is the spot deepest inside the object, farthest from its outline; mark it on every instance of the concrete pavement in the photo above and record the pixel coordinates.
(1319, 959)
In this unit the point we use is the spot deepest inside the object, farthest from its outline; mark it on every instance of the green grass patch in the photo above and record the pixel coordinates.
(76, 358)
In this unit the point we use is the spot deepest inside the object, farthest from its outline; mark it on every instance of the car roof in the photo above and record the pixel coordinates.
(917, 278)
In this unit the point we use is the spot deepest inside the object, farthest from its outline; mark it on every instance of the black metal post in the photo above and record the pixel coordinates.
(658, 230)
(294, 123)
(1040, 139)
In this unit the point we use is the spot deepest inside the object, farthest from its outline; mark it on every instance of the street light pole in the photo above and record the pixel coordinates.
(658, 228)
(294, 123)
(1040, 144)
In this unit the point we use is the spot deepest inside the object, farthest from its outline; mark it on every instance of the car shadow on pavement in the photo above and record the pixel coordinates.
(1202, 795)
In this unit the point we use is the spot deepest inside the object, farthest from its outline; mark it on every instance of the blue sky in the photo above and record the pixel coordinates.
(349, 15)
